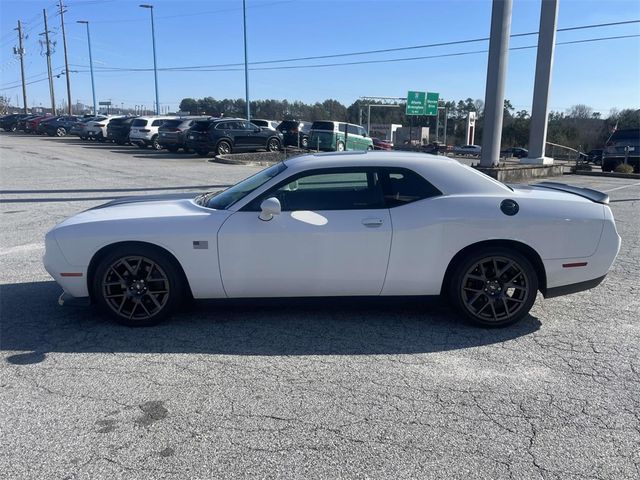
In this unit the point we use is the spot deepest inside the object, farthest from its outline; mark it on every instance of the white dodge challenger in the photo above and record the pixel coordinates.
(348, 224)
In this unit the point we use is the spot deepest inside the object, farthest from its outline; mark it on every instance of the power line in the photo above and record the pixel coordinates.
(368, 52)
(361, 62)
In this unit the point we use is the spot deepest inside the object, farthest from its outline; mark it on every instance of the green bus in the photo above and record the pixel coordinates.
(338, 136)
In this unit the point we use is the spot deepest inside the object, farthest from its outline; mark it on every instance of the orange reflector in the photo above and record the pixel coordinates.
(71, 274)
(577, 264)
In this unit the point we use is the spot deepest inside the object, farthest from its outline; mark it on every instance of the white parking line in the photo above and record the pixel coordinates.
(620, 188)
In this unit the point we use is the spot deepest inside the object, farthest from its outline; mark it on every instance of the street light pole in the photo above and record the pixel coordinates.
(93, 85)
(155, 64)
(246, 65)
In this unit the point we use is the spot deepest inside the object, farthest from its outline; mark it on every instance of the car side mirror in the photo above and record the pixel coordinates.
(269, 207)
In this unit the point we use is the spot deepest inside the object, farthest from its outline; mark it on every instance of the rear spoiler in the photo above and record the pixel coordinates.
(593, 195)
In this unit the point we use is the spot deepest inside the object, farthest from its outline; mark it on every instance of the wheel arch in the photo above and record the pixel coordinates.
(104, 251)
(519, 247)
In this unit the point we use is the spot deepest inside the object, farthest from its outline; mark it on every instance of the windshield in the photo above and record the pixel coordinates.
(226, 198)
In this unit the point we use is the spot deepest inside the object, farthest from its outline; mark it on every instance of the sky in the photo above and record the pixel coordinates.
(195, 33)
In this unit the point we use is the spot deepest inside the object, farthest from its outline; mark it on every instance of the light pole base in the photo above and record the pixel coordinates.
(537, 161)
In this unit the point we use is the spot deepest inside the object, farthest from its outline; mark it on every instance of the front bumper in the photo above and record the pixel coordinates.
(72, 278)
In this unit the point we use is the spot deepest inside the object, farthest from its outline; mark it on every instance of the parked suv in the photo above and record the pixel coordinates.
(96, 129)
(144, 131)
(623, 143)
(172, 134)
(118, 130)
(295, 133)
(338, 136)
(59, 126)
(227, 135)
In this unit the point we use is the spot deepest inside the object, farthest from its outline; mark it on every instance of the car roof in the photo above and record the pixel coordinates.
(447, 174)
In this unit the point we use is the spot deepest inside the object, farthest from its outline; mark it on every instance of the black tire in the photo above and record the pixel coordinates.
(154, 143)
(138, 286)
(273, 145)
(508, 293)
(340, 147)
(369, 148)
(223, 148)
(172, 148)
(202, 153)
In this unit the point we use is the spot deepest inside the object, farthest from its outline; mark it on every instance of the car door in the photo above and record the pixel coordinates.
(332, 237)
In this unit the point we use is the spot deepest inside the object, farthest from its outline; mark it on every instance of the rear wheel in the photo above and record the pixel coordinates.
(61, 132)
(273, 145)
(223, 148)
(137, 286)
(304, 142)
(494, 287)
(340, 147)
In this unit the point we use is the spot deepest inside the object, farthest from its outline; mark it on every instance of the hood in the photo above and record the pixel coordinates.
(142, 208)
(147, 198)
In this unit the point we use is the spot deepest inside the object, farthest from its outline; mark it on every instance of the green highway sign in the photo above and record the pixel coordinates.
(416, 103)
(431, 107)
(421, 103)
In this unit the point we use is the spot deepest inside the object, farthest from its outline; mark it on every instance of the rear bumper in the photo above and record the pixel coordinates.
(573, 288)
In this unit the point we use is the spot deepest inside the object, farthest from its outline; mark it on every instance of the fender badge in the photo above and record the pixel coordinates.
(200, 245)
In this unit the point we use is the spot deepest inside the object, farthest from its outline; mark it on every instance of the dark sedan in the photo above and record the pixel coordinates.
(59, 126)
(32, 125)
(381, 144)
(224, 136)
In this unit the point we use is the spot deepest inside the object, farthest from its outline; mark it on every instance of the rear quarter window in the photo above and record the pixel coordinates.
(138, 122)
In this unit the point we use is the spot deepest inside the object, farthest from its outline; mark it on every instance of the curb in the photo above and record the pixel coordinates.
(633, 176)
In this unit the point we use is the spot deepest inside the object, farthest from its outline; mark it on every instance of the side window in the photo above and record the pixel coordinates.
(402, 186)
(352, 130)
(249, 126)
(157, 123)
(222, 126)
(362, 132)
(343, 190)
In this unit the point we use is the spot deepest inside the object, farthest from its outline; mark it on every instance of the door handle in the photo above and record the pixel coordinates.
(372, 222)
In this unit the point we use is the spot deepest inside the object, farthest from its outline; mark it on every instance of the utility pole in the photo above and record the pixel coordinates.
(66, 61)
(93, 85)
(20, 51)
(49, 71)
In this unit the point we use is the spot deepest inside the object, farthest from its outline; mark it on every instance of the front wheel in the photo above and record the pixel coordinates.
(154, 143)
(340, 147)
(137, 286)
(494, 287)
(61, 132)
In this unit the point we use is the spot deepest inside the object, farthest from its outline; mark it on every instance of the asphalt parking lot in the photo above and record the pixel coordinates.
(298, 390)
